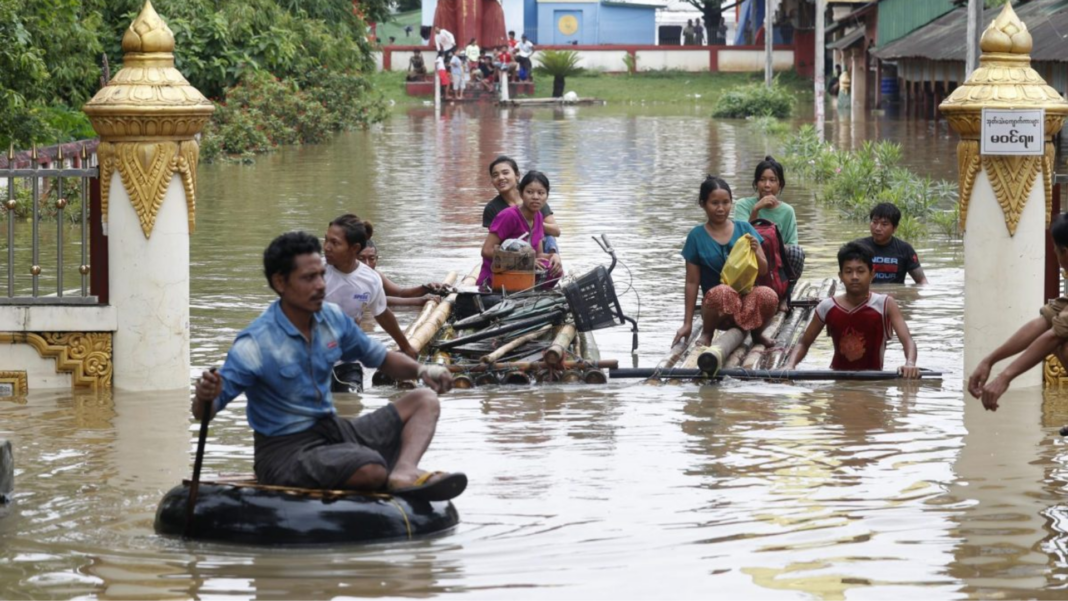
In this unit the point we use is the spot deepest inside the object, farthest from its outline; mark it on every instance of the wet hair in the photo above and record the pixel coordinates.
(281, 254)
(886, 210)
(357, 231)
(1058, 230)
(504, 159)
(854, 251)
(710, 185)
(534, 176)
(769, 163)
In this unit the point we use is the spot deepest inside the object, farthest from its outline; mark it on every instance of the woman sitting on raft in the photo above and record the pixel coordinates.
(769, 181)
(504, 174)
(706, 250)
(525, 219)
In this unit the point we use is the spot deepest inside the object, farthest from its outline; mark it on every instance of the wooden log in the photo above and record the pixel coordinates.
(713, 357)
(518, 342)
(557, 351)
(785, 337)
(736, 358)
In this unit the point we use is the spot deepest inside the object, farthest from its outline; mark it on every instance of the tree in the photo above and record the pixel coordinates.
(559, 64)
(713, 12)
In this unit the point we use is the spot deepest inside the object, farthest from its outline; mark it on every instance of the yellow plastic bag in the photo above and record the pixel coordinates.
(741, 269)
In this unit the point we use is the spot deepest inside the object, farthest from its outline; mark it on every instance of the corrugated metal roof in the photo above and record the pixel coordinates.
(847, 40)
(898, 18)
(944, 38)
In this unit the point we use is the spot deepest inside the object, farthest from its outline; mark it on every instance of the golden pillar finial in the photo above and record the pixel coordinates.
(147, 117)
(1004, 80)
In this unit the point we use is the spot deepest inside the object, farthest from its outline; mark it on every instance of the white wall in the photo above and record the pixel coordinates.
(748, 61)
(601, 60)
(677, 60)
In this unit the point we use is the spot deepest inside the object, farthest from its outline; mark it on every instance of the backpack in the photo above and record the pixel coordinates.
(779, 272)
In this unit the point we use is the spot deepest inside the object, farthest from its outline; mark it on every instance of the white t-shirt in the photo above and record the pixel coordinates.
(356, 291)
(526, 48)
(445, 40)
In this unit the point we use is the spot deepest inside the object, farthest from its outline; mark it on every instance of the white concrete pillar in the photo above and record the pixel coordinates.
(1003, 274)
(149, 288)
(1003, 198)
(148, 117)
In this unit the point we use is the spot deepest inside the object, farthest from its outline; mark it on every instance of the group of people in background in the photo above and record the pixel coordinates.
(474, 66)
(859, 320)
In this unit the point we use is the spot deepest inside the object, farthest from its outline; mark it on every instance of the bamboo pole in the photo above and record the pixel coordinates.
(557, 351)
(766, 374)
(756, 352)
(428, 307)
(716, 353)
(784, 339)
(736, 358)
(518, 342)
(437, 318)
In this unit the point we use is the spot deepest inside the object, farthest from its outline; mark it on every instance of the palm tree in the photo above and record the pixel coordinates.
(559, 64)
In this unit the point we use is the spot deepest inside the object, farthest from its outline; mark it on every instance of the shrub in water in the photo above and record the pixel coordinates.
(755, 100)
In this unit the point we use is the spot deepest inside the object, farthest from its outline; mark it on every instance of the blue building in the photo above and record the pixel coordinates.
(590, 22)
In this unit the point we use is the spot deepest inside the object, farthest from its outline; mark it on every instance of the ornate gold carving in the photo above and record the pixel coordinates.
(85, 355)
(146, 170)
(1012, 178)
(1047, 178)
(1004, 79)
(17, 379)
(968, 162)
(147, 117)
(1053, 373)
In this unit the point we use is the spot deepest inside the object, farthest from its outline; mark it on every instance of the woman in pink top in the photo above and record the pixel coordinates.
(516, 221)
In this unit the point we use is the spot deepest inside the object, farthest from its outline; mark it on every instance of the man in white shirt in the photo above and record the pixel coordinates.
(526, 50)
(444, 41)
(355, 287)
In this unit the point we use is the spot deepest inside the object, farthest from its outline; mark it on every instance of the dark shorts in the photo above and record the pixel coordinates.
(328, 453)
(1056, 313)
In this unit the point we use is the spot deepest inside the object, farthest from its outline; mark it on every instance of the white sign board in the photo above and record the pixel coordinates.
(1013, 132)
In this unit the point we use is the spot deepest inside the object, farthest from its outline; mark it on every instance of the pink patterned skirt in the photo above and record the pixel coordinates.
(749, 311)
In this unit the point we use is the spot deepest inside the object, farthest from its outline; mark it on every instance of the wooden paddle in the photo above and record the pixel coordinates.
(194, 486)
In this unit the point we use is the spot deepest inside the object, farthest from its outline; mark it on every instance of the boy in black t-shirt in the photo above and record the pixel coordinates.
(893, 257)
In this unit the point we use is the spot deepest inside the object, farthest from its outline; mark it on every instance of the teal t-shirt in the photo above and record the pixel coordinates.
(782, 216)
(702, 250)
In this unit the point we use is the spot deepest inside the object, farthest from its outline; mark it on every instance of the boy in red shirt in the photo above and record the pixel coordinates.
(859, 320)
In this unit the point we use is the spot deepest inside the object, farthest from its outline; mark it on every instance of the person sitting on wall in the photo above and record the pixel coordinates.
(485, 72)
(859, 320)
(1036, 339)
(397, 295)
(416, 67)
(282, 362)
(522, 57)
(893, 257)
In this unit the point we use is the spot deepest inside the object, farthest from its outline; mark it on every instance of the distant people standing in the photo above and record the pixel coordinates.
(456, 66)
(699, 33)
(472, 52)
(688, 33)
(526, 50)
(408, 31)
(444, 41)
(721, 32)
(443, 76)
(834, 85)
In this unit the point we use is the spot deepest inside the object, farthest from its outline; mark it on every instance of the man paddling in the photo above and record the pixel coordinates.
(1036, 339)
(283, 361)
(859, 320)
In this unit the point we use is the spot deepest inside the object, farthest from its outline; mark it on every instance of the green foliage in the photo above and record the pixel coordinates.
(263, 112)
(755, 100)
(769, 125)
(558, 63)
(46, 203)
(50, 50)
(855, 181)
(630, 63)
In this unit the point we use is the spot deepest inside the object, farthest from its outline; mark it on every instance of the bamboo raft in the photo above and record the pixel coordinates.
(530, 337)
(733, 352)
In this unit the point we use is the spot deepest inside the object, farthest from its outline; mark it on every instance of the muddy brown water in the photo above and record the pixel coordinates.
(822, 490)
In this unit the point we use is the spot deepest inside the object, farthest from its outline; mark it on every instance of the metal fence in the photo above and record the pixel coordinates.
(35, 195)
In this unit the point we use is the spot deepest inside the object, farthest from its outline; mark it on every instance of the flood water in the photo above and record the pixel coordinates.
(755, 490)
